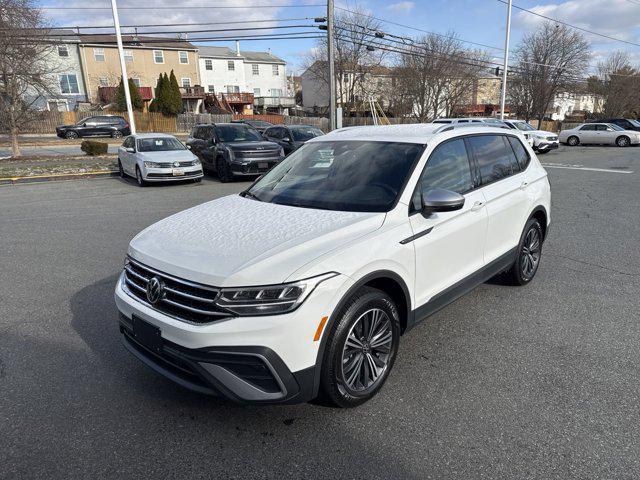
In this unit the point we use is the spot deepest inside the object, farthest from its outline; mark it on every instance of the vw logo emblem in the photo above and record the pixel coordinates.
(155, 290)
(176, 164)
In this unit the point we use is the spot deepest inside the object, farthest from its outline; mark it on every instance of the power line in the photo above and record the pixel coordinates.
(188, 7)
(591, 32)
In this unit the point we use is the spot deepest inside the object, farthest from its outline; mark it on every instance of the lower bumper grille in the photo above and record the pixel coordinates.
(171, 175)
(181, 299)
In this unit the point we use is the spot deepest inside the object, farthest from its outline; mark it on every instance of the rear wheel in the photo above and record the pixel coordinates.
(224, 172)
(623, 141)
(117, 134)
(360, 350)
(573, 141)
(529, 254)
(120, 169)
(139, 178)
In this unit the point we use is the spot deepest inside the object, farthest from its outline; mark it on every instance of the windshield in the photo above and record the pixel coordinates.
(353, 176)
(524, 126)
(259, 123)
(237, 133)
(635, 123)
(305, 133)
(160, 144)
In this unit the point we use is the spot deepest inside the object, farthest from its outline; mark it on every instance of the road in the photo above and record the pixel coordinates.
(539, 382)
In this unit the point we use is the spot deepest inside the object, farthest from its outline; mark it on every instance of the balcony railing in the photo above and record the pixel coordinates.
(236, 97)
(196, 91)
(108, 94)
(275, 102)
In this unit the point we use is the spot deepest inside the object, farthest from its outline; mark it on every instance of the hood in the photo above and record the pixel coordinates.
(544, 133)
(256, 145)
(236, 241)
(170, 156)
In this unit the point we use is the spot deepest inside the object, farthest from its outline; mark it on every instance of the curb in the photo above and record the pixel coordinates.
(56, 176)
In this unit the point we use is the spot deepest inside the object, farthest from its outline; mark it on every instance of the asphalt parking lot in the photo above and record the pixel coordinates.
(506, 383)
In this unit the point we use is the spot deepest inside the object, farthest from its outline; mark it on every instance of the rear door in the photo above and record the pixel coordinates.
(606, 134)
(505, 189)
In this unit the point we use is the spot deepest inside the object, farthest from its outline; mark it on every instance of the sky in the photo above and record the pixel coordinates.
(479, 21)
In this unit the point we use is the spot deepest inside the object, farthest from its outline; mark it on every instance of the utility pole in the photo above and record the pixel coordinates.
(332, 68)
(503, 95)
(123, 66)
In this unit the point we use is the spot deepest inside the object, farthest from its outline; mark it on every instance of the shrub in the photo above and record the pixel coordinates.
(91, 147)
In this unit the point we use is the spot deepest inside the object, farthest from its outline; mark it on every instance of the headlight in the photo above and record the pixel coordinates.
(271, 299)
(539, 137)
(281, 152)
(230, 152)
(151, 164)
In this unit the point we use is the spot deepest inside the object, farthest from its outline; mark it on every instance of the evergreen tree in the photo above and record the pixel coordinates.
(174, 97)
(136, 99)
(155, 103)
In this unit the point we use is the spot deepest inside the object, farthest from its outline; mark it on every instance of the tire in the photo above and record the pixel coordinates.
(623, 141)
(526, 265)
(542, 152)
(347, 378)
(71, 135)
(139, 179)
(224, 173)
(197, 180)
(121, 170)
(573, 141)
(117, 134)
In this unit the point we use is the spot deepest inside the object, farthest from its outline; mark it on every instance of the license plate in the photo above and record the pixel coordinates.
(177, 172)
(263, 165)
(146, 334)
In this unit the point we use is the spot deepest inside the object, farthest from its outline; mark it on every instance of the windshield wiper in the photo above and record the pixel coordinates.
(248, 194)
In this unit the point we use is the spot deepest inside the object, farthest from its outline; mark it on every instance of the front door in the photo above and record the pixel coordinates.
(448, 245)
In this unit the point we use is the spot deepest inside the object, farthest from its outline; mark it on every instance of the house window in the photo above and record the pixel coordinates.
(184, 57)
(231, 65)
(104, 81)
(211, 89)
(136, 82)
(256, 92)
(98, 54)
(128, 56)
(255, 69)
(276, 92)
(186, 82)
(68, 83)
(158, 56)
(63, 51)
(233, 89)
(208, 64)
(275, 70)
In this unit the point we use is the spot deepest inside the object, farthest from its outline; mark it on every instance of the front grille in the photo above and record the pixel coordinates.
(189, 163)
(181, 299)
(256, 154)
(552, 139)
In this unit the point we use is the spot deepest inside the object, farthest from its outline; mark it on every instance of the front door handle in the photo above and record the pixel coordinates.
(524, 185)
(477, 206)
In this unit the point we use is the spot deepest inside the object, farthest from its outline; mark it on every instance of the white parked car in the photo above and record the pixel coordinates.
(157, 157)
(599, 133)
(541, 140)
(303, 284)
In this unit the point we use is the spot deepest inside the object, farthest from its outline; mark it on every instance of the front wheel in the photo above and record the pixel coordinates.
(224, 172)
(529, 254)
(117, 134)
(361, 349)
(573, 141)
(139, 178)
(71, 135)
(623, 141)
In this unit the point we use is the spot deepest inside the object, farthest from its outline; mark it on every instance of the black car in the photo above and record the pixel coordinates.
(626, 123)
(259, 125)
(233, 149)
(98, 126)
(291, 137)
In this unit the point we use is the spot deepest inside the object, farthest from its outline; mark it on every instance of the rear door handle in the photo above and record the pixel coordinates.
(477, 206)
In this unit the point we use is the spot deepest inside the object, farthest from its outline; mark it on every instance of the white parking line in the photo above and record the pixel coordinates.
(580, 167)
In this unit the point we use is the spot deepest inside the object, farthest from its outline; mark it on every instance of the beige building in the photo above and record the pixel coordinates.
(146, 58)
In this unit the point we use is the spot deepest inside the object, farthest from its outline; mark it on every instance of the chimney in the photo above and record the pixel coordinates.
(269, 50)
(237, 48)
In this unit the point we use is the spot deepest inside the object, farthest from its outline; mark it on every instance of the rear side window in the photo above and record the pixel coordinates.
(521, 153)
(494, 156)
(448, 168)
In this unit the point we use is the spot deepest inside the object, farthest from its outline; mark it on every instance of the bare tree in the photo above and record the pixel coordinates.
(618, 84)
(548, 61)
(26, 72)
(354, 62)
(437, 74)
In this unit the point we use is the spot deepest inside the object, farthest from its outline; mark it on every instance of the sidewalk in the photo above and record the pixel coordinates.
(50, 140)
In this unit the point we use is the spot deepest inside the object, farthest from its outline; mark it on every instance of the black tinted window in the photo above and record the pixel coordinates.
(448, 168)
(521, 153)
(495, 157)
(275, 132)
(588, 128)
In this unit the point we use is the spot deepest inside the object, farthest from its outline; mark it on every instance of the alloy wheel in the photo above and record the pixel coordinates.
(367, 350)
(530, 254)
(623, 142)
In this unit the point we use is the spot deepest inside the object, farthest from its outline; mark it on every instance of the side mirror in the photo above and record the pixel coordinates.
(440, 200)
(286, 139)
(130, 150)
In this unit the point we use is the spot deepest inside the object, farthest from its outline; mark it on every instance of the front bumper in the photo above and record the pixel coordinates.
(166, 174)
(268, 359)
(253, 167)
(547, 145)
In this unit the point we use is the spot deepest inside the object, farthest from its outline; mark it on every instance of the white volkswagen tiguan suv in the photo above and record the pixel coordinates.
(302, 285)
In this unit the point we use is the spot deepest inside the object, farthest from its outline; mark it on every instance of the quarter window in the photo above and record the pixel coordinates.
(521, 153)
(494, 156)
(98, 54)
(158, 56)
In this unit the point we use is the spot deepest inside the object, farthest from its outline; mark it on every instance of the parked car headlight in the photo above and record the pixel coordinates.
(151, 164)
(271, 299)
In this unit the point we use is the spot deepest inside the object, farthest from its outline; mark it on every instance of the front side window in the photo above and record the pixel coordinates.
(68, 83)
(159, 144)
(255, 69)
(98, 54)
(357, 176)
(588, 128)
(183, 57)
(158, 56)
(231, 65)
(302, 134)
(63, 51)
(208, 64)
(494, 156)
(448, 168)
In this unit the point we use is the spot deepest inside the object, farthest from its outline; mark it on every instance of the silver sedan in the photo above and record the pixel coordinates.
(157, 157)
(599, 133)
